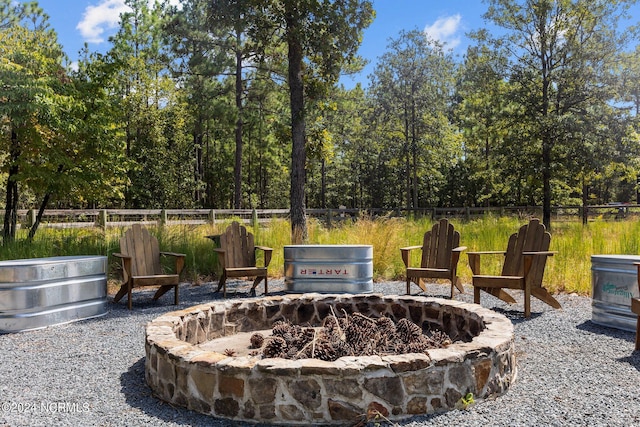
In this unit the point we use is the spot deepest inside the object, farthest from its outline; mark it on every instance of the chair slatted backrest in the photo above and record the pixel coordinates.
(531, 237)
(239, 246)
(438, 244)
(143, 249)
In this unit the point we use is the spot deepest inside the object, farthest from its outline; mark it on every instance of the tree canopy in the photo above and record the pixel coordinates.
(220, 104)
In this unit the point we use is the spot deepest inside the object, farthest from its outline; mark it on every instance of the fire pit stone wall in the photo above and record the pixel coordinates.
(283, 391)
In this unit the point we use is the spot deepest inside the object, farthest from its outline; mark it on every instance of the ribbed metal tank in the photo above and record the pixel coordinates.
(328, 268)
(40, 292)
(614, 282)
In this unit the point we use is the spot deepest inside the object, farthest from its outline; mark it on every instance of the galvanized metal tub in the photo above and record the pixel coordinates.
(40, 292)
(328, 268)
(614, 282)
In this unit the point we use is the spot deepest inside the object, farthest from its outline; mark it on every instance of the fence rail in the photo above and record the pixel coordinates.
(71, 218)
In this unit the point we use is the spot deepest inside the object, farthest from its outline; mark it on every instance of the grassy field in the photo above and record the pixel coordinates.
(568, 271)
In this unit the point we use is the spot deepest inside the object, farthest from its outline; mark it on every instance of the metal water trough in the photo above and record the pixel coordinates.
(614, 282)
(40, 292)
(328, 268)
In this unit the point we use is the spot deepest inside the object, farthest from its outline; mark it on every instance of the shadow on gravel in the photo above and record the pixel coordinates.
(633, 359)
(516, 316)
(138, 395)
(190, 295)
(589, 326)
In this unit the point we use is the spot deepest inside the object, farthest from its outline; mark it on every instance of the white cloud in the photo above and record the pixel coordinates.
(103, 17)
(97, 19)
(445, 30)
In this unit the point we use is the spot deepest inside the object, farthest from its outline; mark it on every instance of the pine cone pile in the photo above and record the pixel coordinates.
(350, 335)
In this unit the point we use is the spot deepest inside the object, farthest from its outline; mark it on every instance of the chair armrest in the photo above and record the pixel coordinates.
(179, 260)
(120, 255)
(405, 254)
(126, 265)
(267, 254)
(528, 259)
(545, 253)
(474, 259)
(174, 254)
(221, 260)
(409, 248)
(455, 257)
(486, 252)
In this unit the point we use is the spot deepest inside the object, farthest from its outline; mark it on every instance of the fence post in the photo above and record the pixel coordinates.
(467, 213)
(31, 218)
(101, 219)
(163, 218)
(212, 216)
(329, 214)
(254, 219)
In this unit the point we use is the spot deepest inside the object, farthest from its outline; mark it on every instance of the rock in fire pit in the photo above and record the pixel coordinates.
(200, 358)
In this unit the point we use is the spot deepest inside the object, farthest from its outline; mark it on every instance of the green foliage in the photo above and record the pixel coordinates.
(567, 271)
(411, 89)
(561, 53)
(42, 116)
(192, 107)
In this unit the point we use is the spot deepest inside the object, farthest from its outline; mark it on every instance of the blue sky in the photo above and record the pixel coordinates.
(93, 21)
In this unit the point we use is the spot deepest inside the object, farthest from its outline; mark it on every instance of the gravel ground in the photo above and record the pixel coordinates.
(571, 372)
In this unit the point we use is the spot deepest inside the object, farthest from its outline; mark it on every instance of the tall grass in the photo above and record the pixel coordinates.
(568, 271)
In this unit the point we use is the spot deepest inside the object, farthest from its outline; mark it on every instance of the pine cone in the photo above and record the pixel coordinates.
(256, 340)
(440, 339)
(342, 349)
(415, 347)
(275, 347)
(363, 321)
(304, 337)
(386, 326)
(281, 327)
(288, 337)
(292, 353)
(325, 351)
(408, 331)
(330, 324)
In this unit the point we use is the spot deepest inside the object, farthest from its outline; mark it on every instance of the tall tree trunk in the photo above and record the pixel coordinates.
(585, 198)
(36, 223)
(547, 134)
(546, 181)
(414, 149)
(43, 206)
(323, 189)
(237, 170)
(11, 203)
(298, 133)
(407, 160)
(198, 168)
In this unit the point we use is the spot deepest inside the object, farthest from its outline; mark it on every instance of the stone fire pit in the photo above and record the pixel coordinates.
(184, 366)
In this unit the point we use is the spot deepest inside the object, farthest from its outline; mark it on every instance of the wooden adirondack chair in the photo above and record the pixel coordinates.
(523, 268)
(237, 257)
(635, 308)
(440, 255)
(140, 255)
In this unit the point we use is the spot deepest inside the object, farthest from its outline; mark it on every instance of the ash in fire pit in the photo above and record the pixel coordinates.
(200, 358)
